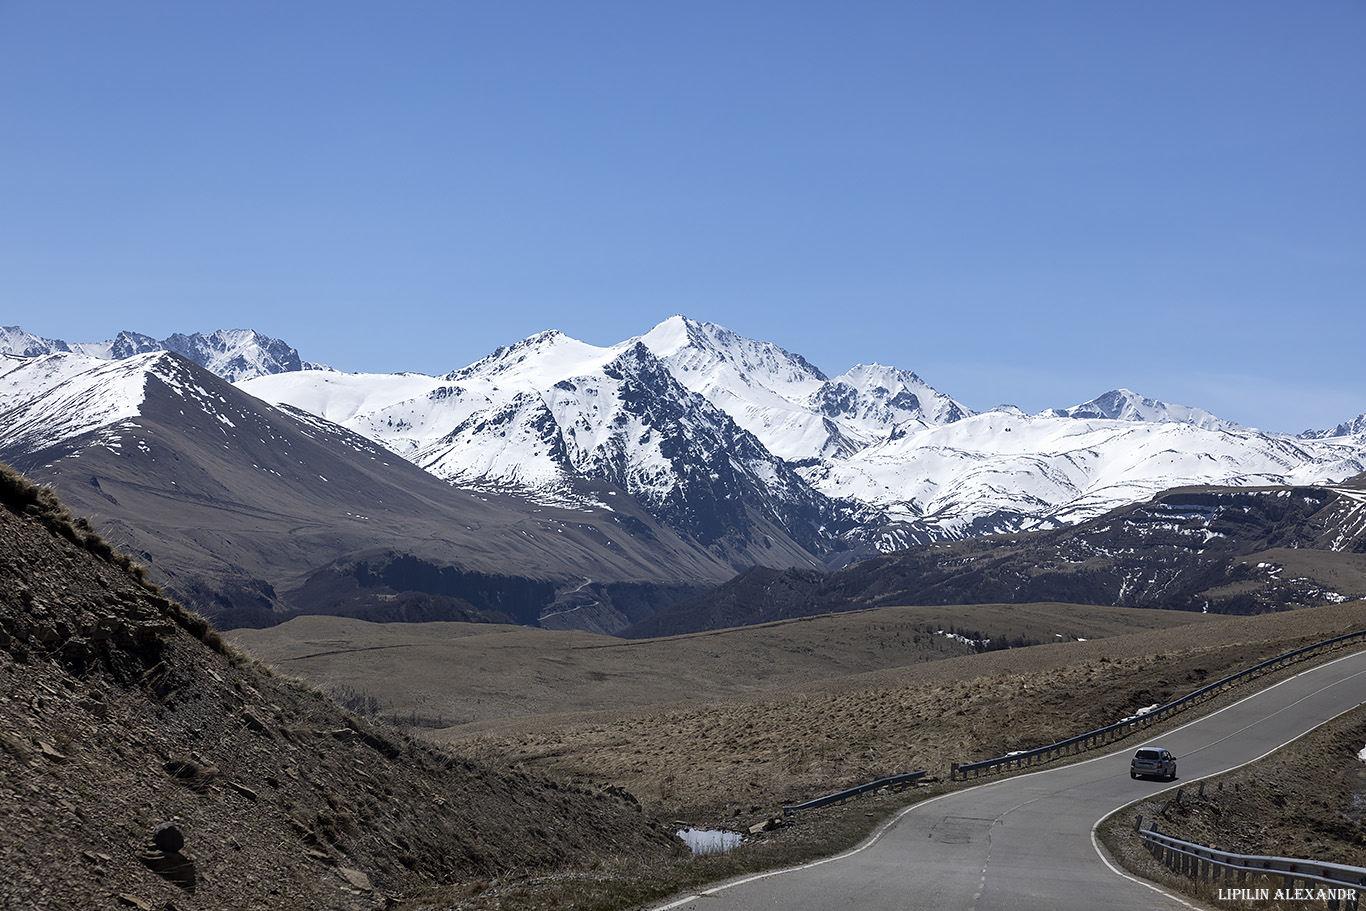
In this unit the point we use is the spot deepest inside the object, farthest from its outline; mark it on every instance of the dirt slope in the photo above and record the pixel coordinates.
(121, 712)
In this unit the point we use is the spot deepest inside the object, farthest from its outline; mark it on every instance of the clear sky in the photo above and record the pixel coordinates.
(1023, 202)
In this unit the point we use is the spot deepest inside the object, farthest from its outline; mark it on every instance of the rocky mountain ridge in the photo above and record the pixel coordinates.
(1208, 549)
(898, 462)
(234, 354)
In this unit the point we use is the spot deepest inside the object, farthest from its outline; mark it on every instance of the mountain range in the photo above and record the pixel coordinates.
(1206, 549)
(896, 461)
(249, 512)
(691, 452)
(234, 354)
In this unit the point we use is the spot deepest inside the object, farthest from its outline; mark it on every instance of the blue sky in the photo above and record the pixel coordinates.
(1026, 202)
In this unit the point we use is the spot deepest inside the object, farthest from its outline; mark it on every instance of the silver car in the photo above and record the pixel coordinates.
(1153, 761)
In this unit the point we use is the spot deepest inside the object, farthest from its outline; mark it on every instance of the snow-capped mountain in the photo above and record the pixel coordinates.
(920, 465)
(1005, 471)
(792, 407)
(1123, 405)
(754, 451)
(540, 415)
(249, 512)
(57, 397)
(234, 354)
(1353, 428)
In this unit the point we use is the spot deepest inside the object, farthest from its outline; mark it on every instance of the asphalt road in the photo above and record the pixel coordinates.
(1026, 842)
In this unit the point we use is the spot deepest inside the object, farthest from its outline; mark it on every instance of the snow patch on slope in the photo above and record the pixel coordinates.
(1043, 471)
(50, 399)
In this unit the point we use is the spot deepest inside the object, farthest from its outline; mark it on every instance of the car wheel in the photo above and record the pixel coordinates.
(1133, 774)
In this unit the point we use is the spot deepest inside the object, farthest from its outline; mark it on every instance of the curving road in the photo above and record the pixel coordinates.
(1026, 842)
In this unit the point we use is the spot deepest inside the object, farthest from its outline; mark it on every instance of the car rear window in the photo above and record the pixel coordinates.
(1147, 754)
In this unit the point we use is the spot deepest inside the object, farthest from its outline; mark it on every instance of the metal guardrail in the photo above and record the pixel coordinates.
(1120, 729)
(891, 782)
(1342, 884)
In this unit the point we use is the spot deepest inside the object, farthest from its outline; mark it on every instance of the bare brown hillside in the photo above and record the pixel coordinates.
(121, 713)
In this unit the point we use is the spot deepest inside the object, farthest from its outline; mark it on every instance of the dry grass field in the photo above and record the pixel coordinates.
(709, 726)
(449, 674)
(734, 761)
(709, 760)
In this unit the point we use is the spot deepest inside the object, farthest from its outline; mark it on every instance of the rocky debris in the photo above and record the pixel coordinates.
(768, 825)
(245, 791)
(168, 837)
(356, 878)
(50, 752)
(173, 867)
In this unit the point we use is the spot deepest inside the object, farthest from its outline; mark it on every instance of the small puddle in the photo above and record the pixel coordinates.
(709, 841)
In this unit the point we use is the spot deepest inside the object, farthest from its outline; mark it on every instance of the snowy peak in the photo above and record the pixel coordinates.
(709, 355)
(792, 407)
(124, 345)
(234, 354)
(59, 399)
(49, 399)
(535, 362)
(535, 416)
(881, 398)
(1353, 428)
(1124, 405)
(15, 341)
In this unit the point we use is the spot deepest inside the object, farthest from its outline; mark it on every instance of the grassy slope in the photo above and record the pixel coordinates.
(710, 758)
(708, 725)
(445, 674)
